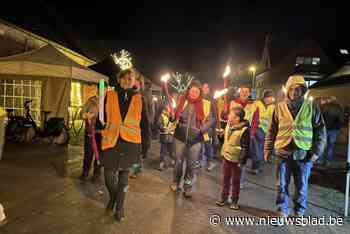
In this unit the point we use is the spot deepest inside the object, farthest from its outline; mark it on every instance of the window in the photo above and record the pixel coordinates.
(307, 60)
(13, 94)
(344, 51)
(301, 60)
(316, 61)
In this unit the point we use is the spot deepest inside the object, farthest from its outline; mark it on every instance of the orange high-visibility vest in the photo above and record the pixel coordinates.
(129, 129)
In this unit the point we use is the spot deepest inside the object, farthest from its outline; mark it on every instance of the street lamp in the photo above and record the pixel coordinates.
(252, 69)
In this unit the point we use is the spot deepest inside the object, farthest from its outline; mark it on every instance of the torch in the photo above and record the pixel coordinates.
(218, 94)
(164, 79)
(224, 76)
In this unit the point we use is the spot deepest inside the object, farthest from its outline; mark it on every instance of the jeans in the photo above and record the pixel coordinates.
(167, 149)
(186, 155)
(331, 139)
(231, 174)
(301, 172)
(207, 151)
(256, 148)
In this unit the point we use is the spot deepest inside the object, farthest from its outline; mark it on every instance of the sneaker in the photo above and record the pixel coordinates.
(280, 213)
(161, 166)
(211, 166)
(187, 194)
(252, 171)
(234, 206)
(221, 202)
(175, 188)
(298, 214)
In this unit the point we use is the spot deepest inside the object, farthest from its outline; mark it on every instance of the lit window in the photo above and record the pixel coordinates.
(13, 94)
(344, 51)
(299, 60)
(316, 61)
(308, 61)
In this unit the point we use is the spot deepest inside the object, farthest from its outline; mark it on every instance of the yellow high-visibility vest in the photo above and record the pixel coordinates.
(265, 114)
(231, 149)
(299, 130)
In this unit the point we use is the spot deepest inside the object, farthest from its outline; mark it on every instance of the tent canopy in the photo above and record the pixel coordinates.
(45, 62)
(55, 70)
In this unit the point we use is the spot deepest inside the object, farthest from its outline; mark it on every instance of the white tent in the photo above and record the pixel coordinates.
(55, 70)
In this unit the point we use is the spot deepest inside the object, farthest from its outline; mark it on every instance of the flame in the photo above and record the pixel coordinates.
(227, 71)
(173, 103)
(165, 78)
(220, 93)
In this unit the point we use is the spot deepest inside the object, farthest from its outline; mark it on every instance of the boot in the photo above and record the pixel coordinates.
(120, 215)
(110, 206)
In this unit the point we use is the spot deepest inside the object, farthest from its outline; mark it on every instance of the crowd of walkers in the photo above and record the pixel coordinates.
(196, 130)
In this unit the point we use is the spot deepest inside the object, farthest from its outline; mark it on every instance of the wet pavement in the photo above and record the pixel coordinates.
(39, 200)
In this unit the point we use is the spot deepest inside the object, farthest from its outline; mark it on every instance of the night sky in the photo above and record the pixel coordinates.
(182, 37)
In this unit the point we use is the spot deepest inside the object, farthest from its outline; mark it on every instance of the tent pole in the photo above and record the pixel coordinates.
(346, 209)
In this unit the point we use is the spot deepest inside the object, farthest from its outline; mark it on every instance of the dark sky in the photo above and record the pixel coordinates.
(179, 36)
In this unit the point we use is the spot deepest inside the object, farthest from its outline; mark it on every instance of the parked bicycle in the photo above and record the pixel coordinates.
(24, 128)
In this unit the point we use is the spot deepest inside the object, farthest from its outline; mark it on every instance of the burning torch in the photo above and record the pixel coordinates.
(165, 78)
(224, 76)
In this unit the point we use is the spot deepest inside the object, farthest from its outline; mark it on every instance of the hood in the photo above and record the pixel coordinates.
(295, 80)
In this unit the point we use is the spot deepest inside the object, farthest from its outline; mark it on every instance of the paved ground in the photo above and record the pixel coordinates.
(38, 200)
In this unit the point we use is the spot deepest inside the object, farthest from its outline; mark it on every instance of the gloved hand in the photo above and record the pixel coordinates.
(311, 157)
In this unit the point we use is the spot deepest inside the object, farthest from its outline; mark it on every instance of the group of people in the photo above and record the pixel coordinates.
(194, 127)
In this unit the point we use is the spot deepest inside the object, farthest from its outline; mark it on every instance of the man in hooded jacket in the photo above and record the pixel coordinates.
(297, 135)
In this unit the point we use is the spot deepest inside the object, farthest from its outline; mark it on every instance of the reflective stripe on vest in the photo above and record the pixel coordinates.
(299, 130)
(170, 126)
(265, 114)
(129, 129)
(231, 149)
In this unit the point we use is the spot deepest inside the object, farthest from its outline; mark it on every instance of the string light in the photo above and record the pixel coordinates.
(123, 59)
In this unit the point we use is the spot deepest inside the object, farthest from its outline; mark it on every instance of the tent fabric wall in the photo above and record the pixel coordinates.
(56, 97)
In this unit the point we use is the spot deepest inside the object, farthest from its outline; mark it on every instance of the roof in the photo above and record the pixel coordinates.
(341, 76)
(280, 72)
(45, 29)
(45, 62)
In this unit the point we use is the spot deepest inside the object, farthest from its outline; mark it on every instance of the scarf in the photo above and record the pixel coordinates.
(198, 106)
